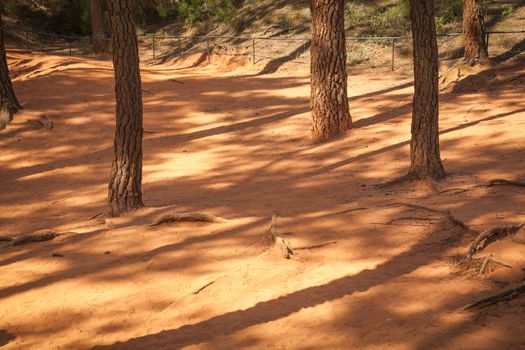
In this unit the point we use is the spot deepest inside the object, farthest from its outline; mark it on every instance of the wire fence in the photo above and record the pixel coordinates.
(370, 51)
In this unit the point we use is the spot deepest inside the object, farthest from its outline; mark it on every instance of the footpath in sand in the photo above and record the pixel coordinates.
(233, 143)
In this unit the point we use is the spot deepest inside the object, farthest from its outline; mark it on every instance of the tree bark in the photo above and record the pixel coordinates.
(98, 38)
(474, 32)
(329, 100)
(9, 104)
(424, 147)
(125, 182)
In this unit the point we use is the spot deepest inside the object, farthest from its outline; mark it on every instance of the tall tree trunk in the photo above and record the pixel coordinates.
(424, 147)
(98, 38)
(125, 182)
(474, 32)
(329, 101)
(8, 102)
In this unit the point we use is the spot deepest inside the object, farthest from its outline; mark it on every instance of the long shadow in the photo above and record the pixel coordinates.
(175, 139)
(383, 117)
(517, 49)
(272, 310)
(383, 91)
(5, 337)
(404, 143)
(275, 64)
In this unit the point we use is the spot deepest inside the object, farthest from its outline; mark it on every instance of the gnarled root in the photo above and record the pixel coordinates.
(187, 217)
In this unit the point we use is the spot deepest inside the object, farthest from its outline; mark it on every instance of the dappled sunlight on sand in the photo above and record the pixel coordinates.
(233, 143)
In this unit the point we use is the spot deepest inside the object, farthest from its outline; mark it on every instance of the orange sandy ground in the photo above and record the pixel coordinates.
(233, 143)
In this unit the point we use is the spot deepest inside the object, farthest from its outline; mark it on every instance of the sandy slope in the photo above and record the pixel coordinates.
(233, 143)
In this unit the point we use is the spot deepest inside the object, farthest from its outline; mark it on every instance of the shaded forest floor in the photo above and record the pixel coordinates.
(232, 143)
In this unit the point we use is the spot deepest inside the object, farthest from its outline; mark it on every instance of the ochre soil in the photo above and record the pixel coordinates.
(233, 143)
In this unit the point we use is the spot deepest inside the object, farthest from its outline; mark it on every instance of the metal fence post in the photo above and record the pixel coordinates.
(180, 49)
(487, 43)
(153, 44)
(208, 49)
(27, 39)
(253, 50)
(393, 54)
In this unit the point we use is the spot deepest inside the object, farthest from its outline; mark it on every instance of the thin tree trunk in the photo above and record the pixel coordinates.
(98, 38)
(8, 102)
(125, 182)
(329, 101)
(424, 147)
(474, 32)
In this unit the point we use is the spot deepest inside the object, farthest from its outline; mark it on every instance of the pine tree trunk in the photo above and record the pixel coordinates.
(98, 39)
(424, 147)
(329, 101)
(8, 102)
(125, 182)
(474, 32)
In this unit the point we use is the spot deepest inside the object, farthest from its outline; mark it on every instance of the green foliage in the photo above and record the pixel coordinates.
(507, 11)
(56, 16)
(393, 17)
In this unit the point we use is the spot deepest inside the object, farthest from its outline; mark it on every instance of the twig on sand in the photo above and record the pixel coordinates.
(316, 246)
(505, 294)
(187, 217)
(176, 81)
(198, 290)
(5, 239)
(95, 216)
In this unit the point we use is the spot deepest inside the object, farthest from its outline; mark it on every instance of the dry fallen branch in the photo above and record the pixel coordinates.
(490, 233)
(316, 246)
(505, 294)
(198, 290)
(42, 236)
(285, 248)
(187, 217)
(484, 265)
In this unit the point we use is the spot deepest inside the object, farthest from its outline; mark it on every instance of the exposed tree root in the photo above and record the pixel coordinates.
(505, 294)
(415, 218)
(491, 234)
(448, 214)
(43, 123)
(39, 236)
(490, 183)
(396, 181)
(503, 182)
(274, 238)
(188, 217)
